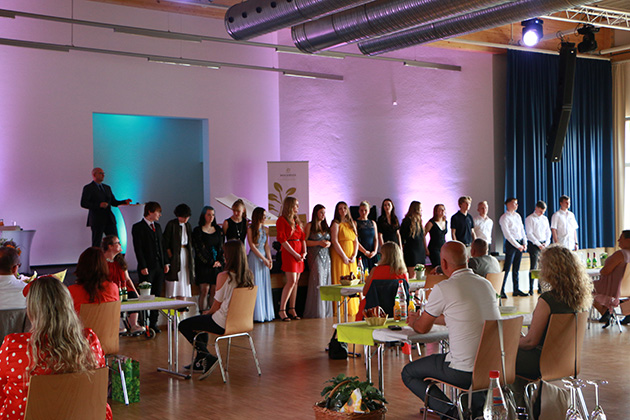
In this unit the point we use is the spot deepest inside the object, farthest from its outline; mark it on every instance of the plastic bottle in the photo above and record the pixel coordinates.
(495, 408)
(412, 306)
(402, 299)
(397, 314)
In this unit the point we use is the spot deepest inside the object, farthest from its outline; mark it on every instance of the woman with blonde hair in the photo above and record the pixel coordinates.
(236, 226)
(571, 292)
(345, 245)
(236, 275)
(57, 343)
(412, 234)
(437, 227)
(293, 241)
(368, 236)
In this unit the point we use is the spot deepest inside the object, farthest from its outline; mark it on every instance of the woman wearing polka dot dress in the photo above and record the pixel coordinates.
(49, 306)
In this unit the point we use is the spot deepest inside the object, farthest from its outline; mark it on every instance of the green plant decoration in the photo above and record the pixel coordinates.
(371, 398)
(279, 198)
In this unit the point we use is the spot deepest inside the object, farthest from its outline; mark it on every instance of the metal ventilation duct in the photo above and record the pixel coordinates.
(472, 22)
(378, 18)
(257, 17)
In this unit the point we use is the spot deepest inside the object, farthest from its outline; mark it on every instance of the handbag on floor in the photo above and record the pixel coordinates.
(336, 349)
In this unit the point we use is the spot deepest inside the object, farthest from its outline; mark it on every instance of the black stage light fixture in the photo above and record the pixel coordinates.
(532, 31)
(588, 43)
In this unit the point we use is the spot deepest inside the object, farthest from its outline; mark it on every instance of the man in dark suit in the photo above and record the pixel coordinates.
(99, 199)
(150, 253)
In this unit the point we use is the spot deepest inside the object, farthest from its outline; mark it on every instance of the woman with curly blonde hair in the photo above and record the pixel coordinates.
(570, 292)
(57, 343)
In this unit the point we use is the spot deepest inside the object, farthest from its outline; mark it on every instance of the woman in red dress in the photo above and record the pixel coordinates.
(93, 285)
(57, 343)
(291, 237)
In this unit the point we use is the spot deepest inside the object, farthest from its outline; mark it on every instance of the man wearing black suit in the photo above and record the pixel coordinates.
(99, 199)
(150, 253)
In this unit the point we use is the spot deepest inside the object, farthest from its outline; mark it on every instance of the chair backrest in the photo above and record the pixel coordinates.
(497, 281)
(104, 320)
(559, 352)
(383, 293)
(240, 315)
(68, 396)
(489, 352)
(625, 282)
(432, 280)
(13, 321)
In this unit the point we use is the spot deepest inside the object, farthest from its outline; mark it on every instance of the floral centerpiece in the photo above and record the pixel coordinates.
(419, 271)
(349, 398)
(144, 288)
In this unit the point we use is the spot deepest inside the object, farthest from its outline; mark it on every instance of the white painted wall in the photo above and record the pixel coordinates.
(437, 144)
(48, 99)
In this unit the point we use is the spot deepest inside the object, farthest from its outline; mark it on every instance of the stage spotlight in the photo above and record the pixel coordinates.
(532, 31)
(588, 43)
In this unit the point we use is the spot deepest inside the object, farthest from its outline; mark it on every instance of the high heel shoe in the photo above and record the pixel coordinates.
(297, 318)
(284, 318)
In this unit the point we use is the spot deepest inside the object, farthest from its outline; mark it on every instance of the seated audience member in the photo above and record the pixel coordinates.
(236, 275)
(480, 262)
(390, 267)
(119, 275)
(608, 288)
(571, 292)
(57, 343)
(92, 285)
(11, 296)
(466, 301)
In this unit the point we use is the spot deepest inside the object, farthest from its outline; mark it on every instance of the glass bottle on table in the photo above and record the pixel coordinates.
(594, 261)
(588, 260)
(360, 273)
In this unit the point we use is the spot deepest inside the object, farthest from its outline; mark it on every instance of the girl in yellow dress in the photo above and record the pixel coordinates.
(343, 235)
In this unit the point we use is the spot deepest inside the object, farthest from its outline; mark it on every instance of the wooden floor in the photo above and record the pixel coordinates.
(295, 367)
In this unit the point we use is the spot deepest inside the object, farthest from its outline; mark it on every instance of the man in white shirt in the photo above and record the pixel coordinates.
(512, 226)
(11, 296)
(483, 224)
(463, 301)
(538, 237)
(564, 226)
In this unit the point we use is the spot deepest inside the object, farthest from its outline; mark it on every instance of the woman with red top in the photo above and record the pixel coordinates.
(57, 343)
(391, 267)
(92, 285)
(119, 275)
(291, 237)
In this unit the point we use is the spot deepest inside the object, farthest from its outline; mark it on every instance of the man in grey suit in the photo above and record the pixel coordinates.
(99, 199)
(480, 262)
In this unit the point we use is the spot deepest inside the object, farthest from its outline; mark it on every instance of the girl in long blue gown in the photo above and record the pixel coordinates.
(259, 260)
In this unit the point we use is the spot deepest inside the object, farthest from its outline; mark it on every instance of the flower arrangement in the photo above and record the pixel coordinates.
(419, 267)
(144, 285)
(348, 394)
(10, 244)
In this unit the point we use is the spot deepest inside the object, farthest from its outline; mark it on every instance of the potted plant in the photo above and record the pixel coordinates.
(419, 271)
(341, 400)
(144, 288)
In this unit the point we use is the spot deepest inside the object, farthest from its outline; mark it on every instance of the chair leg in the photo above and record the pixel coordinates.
(227, 357)
(122, 381)
(251, 344)
(615, 319)
(216, 348)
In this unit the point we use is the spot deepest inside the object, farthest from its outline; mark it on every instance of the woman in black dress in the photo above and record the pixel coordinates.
(437, 227)
(236, 226)
(412, 235)
(207, 241)
(368, 237)
(388, 225)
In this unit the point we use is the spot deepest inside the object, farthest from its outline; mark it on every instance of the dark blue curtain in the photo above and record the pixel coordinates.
(585, 171)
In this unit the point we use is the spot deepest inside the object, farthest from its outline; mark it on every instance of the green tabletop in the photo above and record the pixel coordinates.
(360, 332)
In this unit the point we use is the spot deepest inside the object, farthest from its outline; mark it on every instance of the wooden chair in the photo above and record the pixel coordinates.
(68, 396)
(432, 280)
(561, 352)
(496, 279)
(239, 322)
(104, 320)
(624, 293)
(488, 358)
(13, 321)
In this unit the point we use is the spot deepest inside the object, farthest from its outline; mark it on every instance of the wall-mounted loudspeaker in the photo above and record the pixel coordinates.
(564, 102)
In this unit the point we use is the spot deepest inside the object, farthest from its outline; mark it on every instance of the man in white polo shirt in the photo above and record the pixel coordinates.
(463, 301)
(564, 226)
(11, 296)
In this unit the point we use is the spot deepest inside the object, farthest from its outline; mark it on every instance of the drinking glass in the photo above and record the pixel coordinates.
(598, 411)
(573, 413)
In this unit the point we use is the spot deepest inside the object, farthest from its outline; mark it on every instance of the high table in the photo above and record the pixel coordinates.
(169, 308)
(366, 335)
(340, 294)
